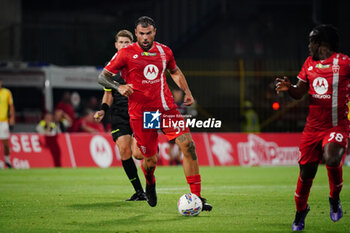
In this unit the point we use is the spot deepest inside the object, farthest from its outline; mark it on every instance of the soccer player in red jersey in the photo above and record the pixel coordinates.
(143, 65)
(326, 76)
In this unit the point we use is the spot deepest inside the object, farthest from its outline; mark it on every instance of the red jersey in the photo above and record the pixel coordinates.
(328, 82)
(146, 72)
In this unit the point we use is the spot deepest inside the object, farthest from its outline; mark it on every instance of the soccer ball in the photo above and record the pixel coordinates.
(189, 205)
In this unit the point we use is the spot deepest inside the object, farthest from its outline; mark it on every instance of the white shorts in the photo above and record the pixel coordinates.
(4, 130)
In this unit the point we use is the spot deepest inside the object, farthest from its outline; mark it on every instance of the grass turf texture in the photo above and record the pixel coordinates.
(256, 199)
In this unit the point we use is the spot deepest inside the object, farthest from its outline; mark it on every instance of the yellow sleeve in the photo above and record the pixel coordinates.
(10, 100)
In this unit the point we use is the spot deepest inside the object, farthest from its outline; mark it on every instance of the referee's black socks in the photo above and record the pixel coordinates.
(131, 171)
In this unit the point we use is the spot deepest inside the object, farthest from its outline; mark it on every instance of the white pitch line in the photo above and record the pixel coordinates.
(241, 187)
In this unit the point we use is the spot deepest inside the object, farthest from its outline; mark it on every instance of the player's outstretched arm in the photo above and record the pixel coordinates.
(180, 80)
(296, 91)
(106, 80)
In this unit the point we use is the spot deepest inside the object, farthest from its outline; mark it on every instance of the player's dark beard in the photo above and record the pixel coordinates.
(315, 54)
(146, 48)
(315, 57)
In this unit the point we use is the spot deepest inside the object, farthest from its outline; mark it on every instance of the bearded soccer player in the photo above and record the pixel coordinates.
(144, 64)
(7, 118)
(326, 76)
(121, 130)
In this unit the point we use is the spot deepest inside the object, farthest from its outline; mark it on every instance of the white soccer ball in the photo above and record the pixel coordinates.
(189, 205)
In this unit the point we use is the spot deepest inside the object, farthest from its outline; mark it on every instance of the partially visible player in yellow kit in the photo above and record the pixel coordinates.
(7, 117)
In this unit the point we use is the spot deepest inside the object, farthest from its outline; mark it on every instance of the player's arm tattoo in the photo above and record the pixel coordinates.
(105, 79)
(181, 138)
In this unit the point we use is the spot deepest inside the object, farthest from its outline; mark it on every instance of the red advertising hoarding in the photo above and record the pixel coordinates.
(31, 150)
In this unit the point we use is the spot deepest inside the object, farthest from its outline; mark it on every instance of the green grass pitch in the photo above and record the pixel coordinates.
(245, 199)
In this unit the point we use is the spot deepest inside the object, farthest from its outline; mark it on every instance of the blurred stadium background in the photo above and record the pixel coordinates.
(230, 51)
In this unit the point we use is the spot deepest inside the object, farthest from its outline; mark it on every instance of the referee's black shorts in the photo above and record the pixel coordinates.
(120, 123)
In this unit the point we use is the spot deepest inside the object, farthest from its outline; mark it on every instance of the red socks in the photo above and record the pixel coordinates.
(302, 193)
(195, 184)
(335, 178)
(149, 175)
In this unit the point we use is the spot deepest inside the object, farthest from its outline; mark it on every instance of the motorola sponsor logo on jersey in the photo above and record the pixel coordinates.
(320, 86)
(150, 72)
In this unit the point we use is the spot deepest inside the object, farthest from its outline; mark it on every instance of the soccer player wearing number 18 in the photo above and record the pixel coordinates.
(143, 65)
(326, 76)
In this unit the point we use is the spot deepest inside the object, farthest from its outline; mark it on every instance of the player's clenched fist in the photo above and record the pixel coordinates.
(125, 90)
(99, 115)
(188, 99)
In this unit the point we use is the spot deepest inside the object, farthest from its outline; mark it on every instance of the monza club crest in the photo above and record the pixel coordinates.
(335, 69)
(150, 72)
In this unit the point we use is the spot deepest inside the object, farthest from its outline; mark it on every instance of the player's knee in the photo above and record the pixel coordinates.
(333, 154)
(191, 146)
(332, 161)
(185, 142)
(151, 161)
(125, 152)
(307, 174)
(308, 171)
(138, 155)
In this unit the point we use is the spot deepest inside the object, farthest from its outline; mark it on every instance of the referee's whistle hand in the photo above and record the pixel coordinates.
(98, 116)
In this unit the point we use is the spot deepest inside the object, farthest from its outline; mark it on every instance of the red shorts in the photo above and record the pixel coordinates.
(312, 144)
(172, 125)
